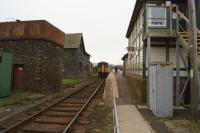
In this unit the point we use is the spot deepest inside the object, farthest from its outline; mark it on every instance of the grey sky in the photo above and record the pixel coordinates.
(103, 22)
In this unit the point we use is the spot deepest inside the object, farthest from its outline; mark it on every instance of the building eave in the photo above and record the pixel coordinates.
(138, 6)
(125, 56)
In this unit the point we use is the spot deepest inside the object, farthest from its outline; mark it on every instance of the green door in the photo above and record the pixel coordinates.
(5, 73)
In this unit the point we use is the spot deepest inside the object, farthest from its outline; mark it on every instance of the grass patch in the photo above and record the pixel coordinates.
(180, 126)
(70, 82)
(100, 120)
(16, 97)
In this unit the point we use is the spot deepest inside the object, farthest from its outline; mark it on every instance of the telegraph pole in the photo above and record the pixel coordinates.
(193, 57)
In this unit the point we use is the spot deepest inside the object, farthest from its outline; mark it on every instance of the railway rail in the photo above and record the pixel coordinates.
(58, 117)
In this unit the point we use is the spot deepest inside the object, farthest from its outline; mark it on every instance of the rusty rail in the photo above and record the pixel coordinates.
(84, 106)
(29, 119)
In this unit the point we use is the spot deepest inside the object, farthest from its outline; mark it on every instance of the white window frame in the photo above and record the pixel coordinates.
(149, 21)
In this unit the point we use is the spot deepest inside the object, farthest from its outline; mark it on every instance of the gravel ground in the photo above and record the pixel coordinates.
(32, 100)
(12, 109)
(97, 118)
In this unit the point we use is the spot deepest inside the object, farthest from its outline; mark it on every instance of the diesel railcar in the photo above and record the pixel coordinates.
(103, 69)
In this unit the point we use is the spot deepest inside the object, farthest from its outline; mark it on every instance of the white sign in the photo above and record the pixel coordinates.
(168, 3)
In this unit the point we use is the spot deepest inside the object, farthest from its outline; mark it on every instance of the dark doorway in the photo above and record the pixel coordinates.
(18, 76)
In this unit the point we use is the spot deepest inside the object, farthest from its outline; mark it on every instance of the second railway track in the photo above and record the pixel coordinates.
(59, 116)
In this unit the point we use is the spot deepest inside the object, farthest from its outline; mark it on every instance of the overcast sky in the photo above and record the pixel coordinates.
(103, 22)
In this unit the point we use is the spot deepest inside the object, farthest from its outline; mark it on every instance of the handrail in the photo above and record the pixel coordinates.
(115, 115)
(198, 31)
(182, 28)
(183, 16)
(186, 19)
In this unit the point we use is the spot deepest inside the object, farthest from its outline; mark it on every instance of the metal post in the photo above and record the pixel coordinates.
(170, 8)
(148, 52)
(184, 61)
(193, 58)
(115, 114)
(177, 19)
(177, 73)
(149, 61)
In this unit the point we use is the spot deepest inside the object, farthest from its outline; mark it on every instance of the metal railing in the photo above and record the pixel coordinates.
(180, 28)
(181, 16)
(115, 115)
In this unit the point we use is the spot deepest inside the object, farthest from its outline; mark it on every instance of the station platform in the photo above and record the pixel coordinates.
(129, 118)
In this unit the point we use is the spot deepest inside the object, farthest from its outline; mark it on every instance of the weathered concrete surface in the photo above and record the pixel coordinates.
(130, 120)
(107, 95)
(111, 84)
(109, 90)
(114, 85)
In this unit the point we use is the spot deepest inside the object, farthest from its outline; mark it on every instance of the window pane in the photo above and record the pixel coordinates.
(157, 16)
(157, 12)
(157, 21)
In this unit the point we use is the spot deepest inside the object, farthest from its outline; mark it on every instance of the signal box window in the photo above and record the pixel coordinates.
(156, 15)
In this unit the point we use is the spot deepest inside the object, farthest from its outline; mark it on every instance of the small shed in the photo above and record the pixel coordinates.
(124, 58)
(75, 58)
(161, 89)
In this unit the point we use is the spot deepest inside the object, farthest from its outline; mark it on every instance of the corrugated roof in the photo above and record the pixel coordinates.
(73, 40)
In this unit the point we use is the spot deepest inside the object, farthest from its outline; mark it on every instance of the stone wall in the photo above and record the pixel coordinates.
(42, 62)
(139, 85)
(73, 60)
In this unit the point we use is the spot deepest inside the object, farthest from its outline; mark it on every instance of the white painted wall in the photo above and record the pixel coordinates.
(158, 54)
(135, 40)
(172, 58)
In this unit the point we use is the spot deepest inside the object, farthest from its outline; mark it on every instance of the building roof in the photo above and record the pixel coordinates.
(87, 53)
(136, 11)
(125, 57)
(138, 6)
(73, 41)
(31, 30)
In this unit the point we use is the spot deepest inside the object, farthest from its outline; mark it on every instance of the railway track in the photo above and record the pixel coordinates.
(57, 117)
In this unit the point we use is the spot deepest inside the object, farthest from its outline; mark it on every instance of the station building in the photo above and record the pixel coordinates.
(37, 48)
(158, 32)
(125, 64)
(75, 58)
(43, 55)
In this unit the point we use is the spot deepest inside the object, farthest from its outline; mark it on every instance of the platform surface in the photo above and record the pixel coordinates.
(130, 119)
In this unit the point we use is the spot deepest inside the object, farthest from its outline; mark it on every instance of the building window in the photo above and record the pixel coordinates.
(157, 15)
(80, 67)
